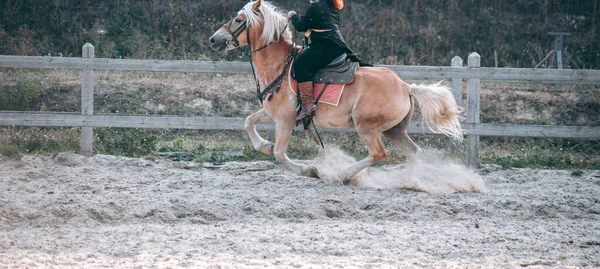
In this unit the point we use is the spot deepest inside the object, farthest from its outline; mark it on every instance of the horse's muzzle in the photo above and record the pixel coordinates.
(218, 41)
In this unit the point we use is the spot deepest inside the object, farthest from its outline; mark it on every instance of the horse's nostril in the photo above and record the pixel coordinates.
(212, 40)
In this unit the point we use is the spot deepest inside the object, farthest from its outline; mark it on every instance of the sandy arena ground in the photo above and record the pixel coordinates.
(69, 211)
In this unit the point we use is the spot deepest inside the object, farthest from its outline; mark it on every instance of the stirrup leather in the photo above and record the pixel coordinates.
(303, 111)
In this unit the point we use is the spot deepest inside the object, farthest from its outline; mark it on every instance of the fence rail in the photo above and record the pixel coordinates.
(68, 119)
(473, 74)
(488, 74)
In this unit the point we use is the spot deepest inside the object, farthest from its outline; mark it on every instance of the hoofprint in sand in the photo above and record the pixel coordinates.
(70, 211)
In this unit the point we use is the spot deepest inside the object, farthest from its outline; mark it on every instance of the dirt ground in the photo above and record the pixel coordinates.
(70, 211)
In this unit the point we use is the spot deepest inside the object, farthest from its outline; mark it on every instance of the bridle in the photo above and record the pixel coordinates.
(276, 84)
(235, 33)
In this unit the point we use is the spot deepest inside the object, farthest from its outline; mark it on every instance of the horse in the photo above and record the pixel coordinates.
(376, 103)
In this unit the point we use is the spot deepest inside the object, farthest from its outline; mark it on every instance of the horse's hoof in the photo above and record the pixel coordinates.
(267, 149)
(312, 172)
(346, 181)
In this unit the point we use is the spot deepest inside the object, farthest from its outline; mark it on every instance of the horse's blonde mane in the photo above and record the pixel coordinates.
(273, 21)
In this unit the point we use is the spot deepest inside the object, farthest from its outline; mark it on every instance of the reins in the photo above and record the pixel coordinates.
(276, 84)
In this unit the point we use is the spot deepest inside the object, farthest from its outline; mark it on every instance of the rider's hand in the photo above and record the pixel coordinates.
(290, 14)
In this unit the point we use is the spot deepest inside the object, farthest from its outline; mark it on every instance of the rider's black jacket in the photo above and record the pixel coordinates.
(322, 19)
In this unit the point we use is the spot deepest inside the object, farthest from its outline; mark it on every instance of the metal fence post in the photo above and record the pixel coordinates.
(473, 92)
(87, 101)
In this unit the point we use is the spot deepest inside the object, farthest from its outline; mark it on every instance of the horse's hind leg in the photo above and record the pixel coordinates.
(398, 136)
(259, 143)
(377, 152)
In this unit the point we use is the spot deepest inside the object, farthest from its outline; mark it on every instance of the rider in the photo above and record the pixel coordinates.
(320, 24)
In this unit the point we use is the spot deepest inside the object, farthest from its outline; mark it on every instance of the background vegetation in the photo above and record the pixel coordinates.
(410, 32)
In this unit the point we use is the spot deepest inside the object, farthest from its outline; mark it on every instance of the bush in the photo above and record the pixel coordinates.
(382, 32)
(21, 96)
(40, 139)
(125, 142)
(8, 150)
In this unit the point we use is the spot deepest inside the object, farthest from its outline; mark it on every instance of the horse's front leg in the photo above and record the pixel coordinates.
(259, 143)
(283, 134)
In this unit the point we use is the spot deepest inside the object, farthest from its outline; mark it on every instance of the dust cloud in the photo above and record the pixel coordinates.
(431, 173)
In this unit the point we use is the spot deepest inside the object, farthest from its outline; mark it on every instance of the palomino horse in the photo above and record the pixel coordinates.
(377, 102)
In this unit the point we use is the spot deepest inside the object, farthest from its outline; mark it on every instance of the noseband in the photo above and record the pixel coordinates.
(236, 33)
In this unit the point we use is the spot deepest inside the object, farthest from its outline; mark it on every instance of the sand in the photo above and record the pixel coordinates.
(70, 211)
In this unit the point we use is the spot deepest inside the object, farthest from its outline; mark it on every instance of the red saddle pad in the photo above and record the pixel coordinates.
(331, 96)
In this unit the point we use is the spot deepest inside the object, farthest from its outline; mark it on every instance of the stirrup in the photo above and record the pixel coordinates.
(305, 112)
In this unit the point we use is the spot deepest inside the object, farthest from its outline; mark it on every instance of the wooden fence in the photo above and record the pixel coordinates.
(473, 74)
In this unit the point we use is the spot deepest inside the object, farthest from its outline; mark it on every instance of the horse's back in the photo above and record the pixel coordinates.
(377, 95)
(381, 77)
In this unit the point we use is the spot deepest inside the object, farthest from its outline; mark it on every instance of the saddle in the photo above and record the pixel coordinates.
(338, 71)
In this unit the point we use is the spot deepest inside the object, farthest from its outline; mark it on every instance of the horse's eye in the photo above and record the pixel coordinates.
(238, 20)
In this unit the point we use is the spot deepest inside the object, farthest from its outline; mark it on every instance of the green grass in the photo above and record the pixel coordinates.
(20, 96)
(8, 150)
(542, 153)
(218, 146)
(124, 141)
(30, 140)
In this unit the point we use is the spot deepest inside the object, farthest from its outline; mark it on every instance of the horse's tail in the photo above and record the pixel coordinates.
(439, 110)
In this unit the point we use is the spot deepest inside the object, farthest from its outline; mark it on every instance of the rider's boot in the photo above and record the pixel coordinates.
(306, 95)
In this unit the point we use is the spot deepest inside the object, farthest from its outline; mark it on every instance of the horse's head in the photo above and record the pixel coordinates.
(256, 19)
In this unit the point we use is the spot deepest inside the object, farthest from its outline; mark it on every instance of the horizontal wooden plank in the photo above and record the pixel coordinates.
(539, 131)
(58, 119)
(125, 64)
(226, 123)
(522, 75)
(507, 75)
(112, 120)
(542, 76)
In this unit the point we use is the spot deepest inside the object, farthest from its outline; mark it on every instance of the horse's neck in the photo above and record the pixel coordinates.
(270, 61)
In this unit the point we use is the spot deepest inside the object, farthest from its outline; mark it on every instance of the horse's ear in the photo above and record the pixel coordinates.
(256, 5)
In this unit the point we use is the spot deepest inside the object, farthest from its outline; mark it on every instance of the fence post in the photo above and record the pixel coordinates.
(457, 82)
(457, 88)
(473, 89)
(87, 102)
